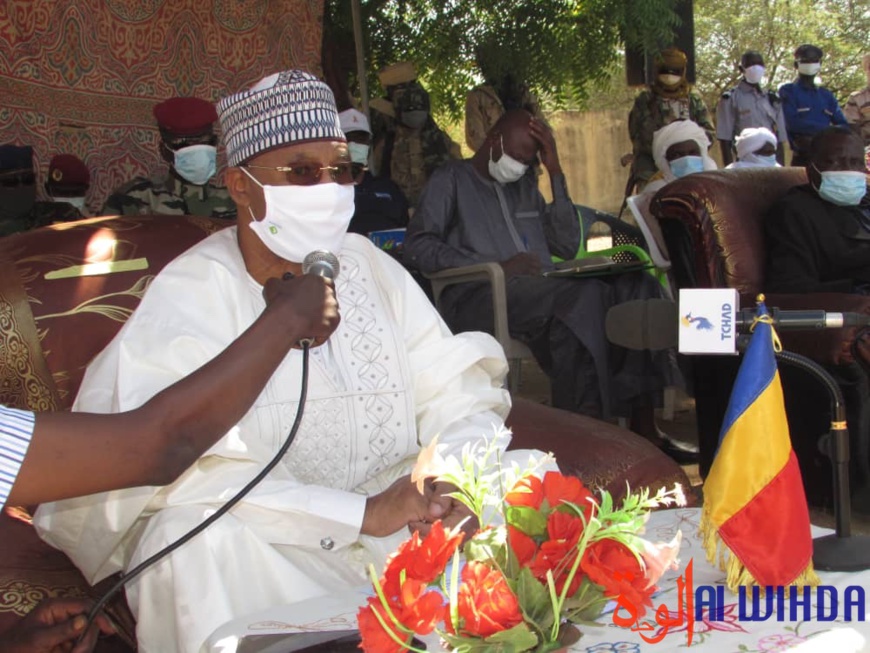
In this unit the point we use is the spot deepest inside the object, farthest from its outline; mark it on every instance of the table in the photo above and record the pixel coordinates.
(727, 635)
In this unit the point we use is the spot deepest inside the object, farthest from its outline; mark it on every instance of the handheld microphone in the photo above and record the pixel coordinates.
(320, 263)
(653, 323)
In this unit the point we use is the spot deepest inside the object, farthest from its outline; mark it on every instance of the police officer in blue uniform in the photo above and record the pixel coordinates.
(808, 108)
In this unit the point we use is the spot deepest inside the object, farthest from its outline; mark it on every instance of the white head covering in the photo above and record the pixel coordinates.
(352, 120)
(677, 132)
(752, 139)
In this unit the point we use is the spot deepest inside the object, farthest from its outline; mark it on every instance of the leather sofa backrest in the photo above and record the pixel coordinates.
(53, 327)
(723, 213)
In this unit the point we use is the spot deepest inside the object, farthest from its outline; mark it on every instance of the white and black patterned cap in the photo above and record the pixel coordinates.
(282, 109)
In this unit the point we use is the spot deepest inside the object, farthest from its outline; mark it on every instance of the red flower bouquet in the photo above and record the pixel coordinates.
(552, 556)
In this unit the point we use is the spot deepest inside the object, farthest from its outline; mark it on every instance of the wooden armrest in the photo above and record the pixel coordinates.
(489, 272)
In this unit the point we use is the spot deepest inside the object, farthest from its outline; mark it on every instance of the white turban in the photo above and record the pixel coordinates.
(677, 132)
(753, 139)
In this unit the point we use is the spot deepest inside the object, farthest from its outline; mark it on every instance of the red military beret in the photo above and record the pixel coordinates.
(185, 116)
(68, 170)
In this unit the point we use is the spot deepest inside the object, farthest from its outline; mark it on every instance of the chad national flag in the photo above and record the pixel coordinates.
(755, 519)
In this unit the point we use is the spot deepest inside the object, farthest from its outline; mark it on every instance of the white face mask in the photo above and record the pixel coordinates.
(759, 160)
(301, 219)
(196, 163)
(670, 80)
(754, 74)
(78, 202)
(359, 152)
(809, 68)
(507, 169)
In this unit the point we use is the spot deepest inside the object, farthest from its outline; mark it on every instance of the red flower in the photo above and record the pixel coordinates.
(522, 545)
(374, 636)
(559, 489)
(614, 567)
(422, 560)
(528, 491)
(485, 603)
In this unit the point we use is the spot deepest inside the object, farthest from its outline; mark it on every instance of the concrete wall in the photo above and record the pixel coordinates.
(590, 146)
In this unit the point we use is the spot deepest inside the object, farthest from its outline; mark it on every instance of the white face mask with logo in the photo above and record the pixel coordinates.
(301, 219)
(507, 169)
(754, 74)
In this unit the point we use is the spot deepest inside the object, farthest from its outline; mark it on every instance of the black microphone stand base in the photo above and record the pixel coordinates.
(835, 553)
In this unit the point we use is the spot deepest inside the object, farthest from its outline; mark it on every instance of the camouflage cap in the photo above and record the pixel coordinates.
(282, 109)
(68, 170)
(185, 116)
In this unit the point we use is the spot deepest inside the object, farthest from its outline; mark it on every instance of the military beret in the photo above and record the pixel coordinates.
(185, 116)
(68, 170)
(16, 157)
(399, 73)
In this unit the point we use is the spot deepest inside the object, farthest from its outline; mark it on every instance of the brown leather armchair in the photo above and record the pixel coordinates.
(55, 320)
(712, 223)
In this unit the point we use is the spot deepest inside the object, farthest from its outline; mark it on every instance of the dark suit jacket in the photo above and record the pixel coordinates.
(815, 246)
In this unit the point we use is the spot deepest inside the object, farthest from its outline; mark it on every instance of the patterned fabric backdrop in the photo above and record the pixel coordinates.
(82, 76)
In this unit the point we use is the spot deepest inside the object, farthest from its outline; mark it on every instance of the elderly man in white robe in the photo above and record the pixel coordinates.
(388, 380)
(756, 148)
(679, 149)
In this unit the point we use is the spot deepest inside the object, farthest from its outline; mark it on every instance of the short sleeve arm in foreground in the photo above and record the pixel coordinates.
(16, 431)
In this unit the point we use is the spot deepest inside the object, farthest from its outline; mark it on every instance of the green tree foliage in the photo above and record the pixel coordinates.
(560, 47)
(724, 29)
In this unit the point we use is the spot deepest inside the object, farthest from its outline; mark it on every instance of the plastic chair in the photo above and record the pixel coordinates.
(514, 350)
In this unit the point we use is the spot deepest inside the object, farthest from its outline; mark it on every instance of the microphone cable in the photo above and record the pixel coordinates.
(303, 393)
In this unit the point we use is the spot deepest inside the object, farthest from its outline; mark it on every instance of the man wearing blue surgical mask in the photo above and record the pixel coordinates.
(188, 144)
(818, 234)
(489, 209)
(808, 107)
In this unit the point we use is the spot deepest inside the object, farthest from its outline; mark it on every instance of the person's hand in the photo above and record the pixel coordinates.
(54, 626)
(450, 511)
(524, 263)
(549, 156)
(308, 304)
(398, 506)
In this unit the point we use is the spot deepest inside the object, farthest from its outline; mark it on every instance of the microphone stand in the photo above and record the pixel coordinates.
(840, 551)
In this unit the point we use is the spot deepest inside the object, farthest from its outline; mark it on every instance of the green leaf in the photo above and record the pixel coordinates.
(489, 545)
(534, 600)
(515, 640)
(528, 520)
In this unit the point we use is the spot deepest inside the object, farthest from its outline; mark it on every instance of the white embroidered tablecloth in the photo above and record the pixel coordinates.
(728, 634)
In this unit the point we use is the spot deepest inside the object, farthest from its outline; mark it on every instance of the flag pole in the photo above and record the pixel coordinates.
(841, 551)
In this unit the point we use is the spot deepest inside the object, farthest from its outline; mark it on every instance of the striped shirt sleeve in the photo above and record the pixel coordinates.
(16, 429)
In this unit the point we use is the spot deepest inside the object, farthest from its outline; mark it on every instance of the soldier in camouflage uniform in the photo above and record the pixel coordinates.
(670, 97)
(857, 110)
(188, 145)
(19, 209)
(408, 145)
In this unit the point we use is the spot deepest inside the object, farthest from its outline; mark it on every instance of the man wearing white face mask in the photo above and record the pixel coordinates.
(808, 107)
(818, 234)
(389, 379)
(188, 144)
(489, 209)
(746, 106)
